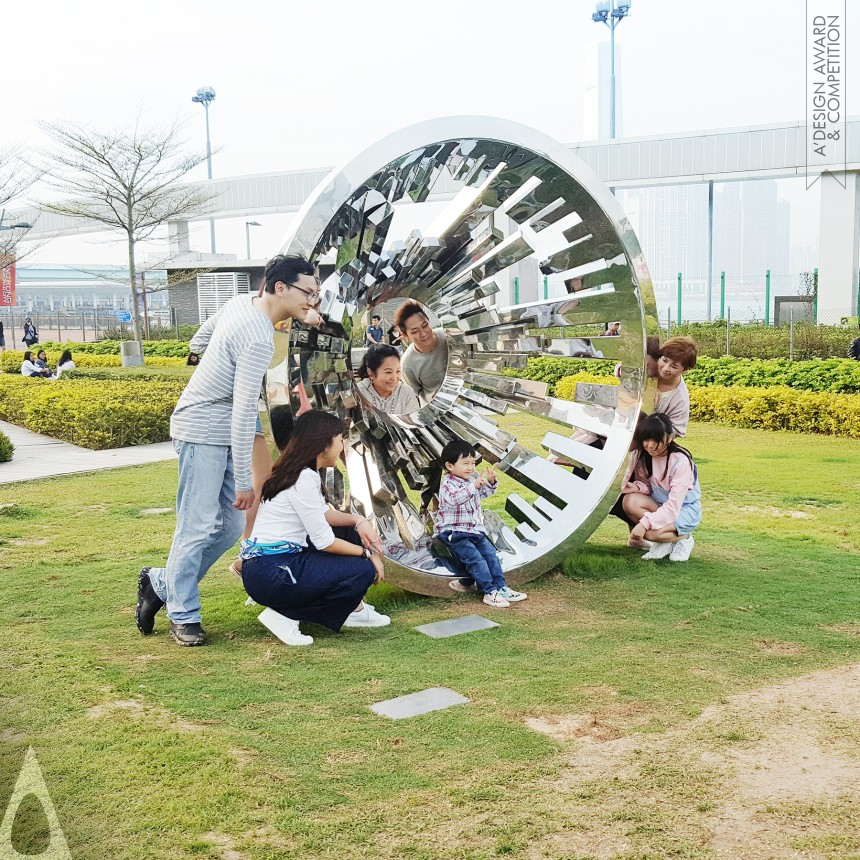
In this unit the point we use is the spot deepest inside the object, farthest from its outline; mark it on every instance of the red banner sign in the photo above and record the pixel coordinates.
(7, 286)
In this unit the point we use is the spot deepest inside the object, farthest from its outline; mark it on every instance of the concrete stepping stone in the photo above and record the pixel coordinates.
(456, 626)
(422, 702)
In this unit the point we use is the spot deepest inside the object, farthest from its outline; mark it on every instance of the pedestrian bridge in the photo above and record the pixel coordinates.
(775, 151)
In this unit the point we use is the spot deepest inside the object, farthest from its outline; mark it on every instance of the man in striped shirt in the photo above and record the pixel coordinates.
(213, 432)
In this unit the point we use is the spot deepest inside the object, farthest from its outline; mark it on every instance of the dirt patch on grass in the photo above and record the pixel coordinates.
(137, 709)
(772, 511)
(849, 629)
(223, 844)
(780, 649)
(753, 777)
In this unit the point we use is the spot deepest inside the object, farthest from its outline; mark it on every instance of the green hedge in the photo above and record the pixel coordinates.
(6, 448)
(778, 408)
(838, 375)
(96, 414)
(153, 373)
(12, 358)
(749, 340)
(164, 348)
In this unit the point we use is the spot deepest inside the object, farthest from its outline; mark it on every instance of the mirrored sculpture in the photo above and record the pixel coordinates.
(531, 256)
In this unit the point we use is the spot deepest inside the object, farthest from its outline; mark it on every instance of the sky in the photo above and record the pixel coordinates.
(311, 84)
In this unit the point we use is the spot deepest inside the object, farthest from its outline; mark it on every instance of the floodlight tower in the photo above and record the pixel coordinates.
(610, 12)
(205, 96)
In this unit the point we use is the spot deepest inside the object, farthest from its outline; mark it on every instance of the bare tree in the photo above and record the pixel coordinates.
(125, 179)
(16, 177)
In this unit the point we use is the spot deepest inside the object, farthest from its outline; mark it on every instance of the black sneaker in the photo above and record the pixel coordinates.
(148, 603)
(188, 634)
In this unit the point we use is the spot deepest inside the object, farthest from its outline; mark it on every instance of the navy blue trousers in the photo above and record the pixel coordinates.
(311, 585)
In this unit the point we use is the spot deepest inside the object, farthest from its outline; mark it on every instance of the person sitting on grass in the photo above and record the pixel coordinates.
(65, 363)
(30, 367)
(42, 362)
(460, 526)
(304, 560)
(661, 492)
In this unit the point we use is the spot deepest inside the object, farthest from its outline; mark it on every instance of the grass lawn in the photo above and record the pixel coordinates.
(611, 714)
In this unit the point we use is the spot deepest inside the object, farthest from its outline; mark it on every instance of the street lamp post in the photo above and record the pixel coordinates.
(248, 226)
(610, 12)
(205, 96)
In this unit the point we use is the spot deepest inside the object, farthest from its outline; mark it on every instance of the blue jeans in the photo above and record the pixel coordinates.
(479, 557)
(207, 525)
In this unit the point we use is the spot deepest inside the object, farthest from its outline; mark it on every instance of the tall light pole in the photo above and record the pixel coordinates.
(610, 12)
(205, 96)
(248, 226)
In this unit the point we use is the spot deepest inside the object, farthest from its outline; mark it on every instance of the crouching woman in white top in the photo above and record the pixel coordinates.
(304, 560)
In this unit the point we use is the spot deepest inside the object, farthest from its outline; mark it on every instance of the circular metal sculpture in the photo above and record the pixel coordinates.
(532, 256)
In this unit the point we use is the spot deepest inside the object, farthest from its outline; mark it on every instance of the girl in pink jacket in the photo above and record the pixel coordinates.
(661, 492)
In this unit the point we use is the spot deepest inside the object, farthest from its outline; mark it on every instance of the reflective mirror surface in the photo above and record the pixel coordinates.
(526, 254)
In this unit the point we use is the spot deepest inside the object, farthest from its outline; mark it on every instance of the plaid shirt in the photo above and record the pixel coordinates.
(460, 505)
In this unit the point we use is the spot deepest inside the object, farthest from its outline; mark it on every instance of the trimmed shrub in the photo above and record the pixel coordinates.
(839, 375)
(778, 408)
(164, 348)
(154, 373)
(760, 341)
(12, 358)
(95, 414)
(551, 369)
(6, 448)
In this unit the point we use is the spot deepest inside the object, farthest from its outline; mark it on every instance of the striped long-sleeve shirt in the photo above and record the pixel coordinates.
(219, 404)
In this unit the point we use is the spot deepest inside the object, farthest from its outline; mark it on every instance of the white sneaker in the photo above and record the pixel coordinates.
(286, 629)
(681, 549)
(658, 550)
(367, 616)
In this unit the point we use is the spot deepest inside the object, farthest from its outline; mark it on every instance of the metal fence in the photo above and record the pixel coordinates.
(78, 326)
(745, 299)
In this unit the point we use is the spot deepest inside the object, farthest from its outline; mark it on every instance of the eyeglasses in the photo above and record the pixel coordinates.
(313, 297)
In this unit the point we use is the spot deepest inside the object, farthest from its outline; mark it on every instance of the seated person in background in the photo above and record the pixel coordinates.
(396, 338)
(65, 363)
(380, 384)
(374, 334)
(30, 368)
(460, 525)
(661, 492)
(42, 360)
(425, 362)
(193, 359)
(677, 355)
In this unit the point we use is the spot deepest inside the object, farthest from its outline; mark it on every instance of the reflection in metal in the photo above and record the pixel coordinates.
(522, 196)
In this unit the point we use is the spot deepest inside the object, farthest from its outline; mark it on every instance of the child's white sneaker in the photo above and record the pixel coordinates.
(512, 596)
(681, 549)
(658, 550)
(495, 599)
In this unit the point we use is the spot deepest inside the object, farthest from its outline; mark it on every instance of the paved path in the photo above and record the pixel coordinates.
(43, 457)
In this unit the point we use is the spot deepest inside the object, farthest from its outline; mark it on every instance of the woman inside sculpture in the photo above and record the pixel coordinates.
(304, 560)
(380, 384)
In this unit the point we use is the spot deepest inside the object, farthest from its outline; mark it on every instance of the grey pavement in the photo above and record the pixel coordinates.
(39, 456)
(422, 702)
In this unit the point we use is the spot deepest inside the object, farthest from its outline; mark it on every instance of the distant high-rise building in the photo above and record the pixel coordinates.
(595, 119)
(751, 229)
